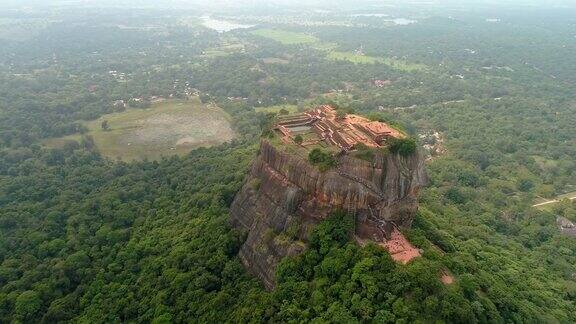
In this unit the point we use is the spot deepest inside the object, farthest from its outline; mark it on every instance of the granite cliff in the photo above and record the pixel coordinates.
(285, 196)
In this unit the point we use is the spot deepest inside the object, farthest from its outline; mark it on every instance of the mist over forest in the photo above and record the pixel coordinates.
(287, 161)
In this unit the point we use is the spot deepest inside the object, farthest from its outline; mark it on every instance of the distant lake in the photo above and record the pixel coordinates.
(221, 26)
(370, 15)
(395, 21)
(403, 21)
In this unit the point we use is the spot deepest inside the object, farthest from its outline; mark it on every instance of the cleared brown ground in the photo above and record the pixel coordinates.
(167, 128)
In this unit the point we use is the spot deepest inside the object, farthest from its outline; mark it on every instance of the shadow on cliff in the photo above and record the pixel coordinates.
(285, 197)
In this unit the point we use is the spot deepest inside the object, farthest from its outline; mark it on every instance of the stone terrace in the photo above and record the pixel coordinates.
(324, 125)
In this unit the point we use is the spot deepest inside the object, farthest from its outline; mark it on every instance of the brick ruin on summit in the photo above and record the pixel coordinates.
(285, 196)
(323, 124)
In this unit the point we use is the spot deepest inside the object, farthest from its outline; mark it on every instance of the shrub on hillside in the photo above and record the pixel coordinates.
(323, 160)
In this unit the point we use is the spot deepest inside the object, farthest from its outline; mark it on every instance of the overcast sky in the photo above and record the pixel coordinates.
(293, 3)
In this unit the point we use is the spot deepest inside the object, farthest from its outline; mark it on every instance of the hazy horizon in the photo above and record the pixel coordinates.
(336, 4)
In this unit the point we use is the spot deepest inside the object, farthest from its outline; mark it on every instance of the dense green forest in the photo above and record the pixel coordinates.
(86, 239)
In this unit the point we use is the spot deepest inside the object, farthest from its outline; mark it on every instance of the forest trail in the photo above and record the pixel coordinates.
(551, 202)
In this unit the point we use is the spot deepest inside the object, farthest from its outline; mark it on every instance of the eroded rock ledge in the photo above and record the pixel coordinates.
(284, 197)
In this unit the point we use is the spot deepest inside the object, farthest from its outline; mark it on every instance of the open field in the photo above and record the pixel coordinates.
(291, 38)
(275, 60)
(285, 37)
(276, 109)
(228, 47)
(325, 46)
(167, 128)
(363, 59)
(60, 142)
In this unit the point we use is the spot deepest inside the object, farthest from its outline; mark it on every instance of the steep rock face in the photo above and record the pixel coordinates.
(284, 197)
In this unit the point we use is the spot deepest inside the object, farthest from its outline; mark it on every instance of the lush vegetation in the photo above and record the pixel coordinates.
(285, 37)
(364, 59)
(323, 160)
(85, 238)
(98, 241)
(337, 281)
(402, 146)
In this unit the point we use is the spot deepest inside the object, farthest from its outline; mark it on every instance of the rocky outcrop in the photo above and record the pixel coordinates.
(284, 197)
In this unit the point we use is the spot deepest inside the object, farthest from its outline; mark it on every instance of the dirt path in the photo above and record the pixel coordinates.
(552, 202)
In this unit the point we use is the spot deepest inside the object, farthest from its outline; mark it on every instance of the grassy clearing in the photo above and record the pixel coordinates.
(190, 21)
(291, 38)
(167, 128)
(544, 163)
(276, 109)
(285, 37)
(275, 60)
(324, 46)
(60, 142)
(363, 59)
(214, 52)
(568, 195)
(223, 50)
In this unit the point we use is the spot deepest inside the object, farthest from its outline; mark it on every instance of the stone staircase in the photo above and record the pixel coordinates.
(367, 184)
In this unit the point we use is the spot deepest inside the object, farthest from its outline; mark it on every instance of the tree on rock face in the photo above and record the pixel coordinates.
(402, 146)
(324, 160)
